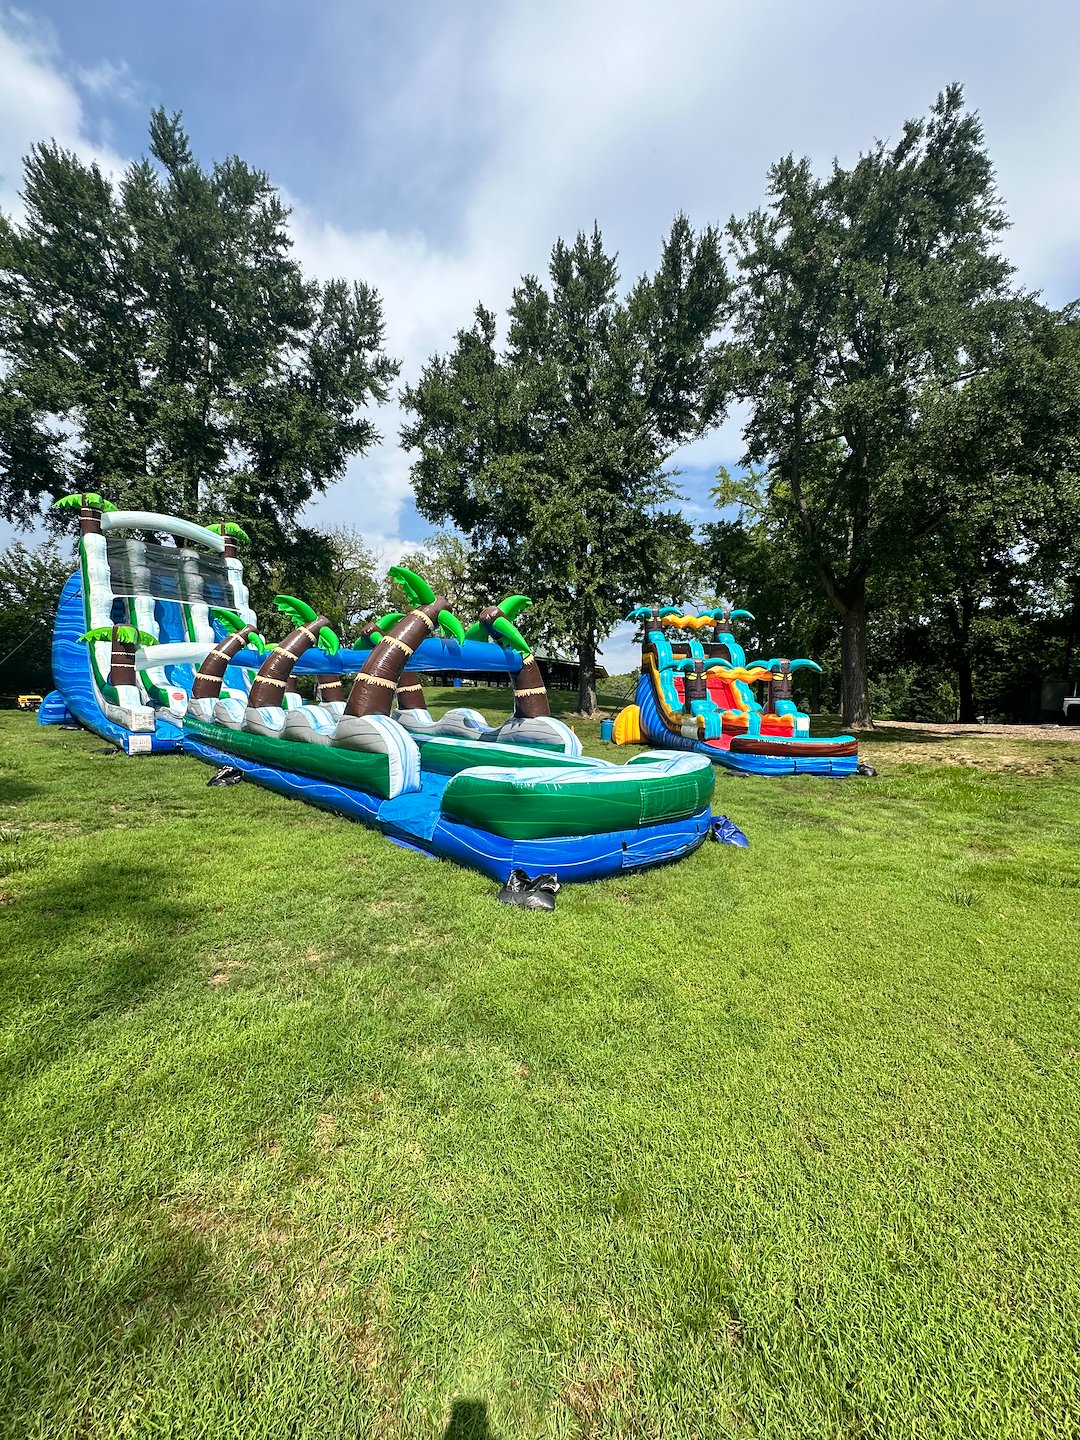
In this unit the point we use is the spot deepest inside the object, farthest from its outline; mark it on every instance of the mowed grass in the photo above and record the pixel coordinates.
(304, 1135)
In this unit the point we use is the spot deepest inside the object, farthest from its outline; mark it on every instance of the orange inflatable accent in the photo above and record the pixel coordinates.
(627, 729)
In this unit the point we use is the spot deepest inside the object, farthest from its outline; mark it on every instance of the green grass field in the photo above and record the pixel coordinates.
(304, 1135)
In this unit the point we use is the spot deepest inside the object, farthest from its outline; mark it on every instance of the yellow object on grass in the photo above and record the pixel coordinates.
(628, 729)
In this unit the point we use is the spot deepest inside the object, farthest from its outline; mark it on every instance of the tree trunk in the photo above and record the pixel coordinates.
(375, 686)
(530, 692)
(410, 692)
(122, 668)
(328, 688)
(854, 692)
(211, 672)
(270, 684)
(965, 681)
(587, 674)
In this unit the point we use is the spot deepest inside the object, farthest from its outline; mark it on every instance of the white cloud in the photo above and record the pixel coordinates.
(108, 80)
(37, 102)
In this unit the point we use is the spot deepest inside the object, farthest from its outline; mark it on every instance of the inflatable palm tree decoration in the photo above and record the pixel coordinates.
(272, 681)
(375, 686)
(125, 640)
(90, 507)
(496, 623)
(779, 676)
(724, 615)
(648, 616)
(211, 673)
(374, 630)
(695, 679)
(231, 533)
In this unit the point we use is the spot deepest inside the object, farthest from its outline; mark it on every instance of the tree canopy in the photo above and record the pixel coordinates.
(548, 454)
(162, 347)
(895, 373)
(30, 586)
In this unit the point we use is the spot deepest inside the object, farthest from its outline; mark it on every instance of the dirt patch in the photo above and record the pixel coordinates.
(222, 1225)
(962, 732)
(326, 1132)
(387, 907)
(224, 975)
(1020, 750)
(1003, 761)
(593, 1396)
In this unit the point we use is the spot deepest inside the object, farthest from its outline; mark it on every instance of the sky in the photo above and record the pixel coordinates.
(438, 151)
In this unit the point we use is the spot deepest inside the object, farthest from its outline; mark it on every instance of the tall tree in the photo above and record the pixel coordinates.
(161, 346)
(448, 564)
(30, 586)
(549, 455)
(870, 301)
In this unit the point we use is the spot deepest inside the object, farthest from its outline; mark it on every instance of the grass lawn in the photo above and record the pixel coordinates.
(304, 1135)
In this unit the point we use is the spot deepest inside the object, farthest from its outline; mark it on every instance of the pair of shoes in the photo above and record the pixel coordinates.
(726, 832)
(538, 894)
(227, 775)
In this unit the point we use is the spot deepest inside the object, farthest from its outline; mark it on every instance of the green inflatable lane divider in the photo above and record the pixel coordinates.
(536, 807)
(445, 755)
(317, 762)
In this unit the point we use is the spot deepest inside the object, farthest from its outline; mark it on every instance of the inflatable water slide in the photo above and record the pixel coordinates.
(157, 649)
(698, 698)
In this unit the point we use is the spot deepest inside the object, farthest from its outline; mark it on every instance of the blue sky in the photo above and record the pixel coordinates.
(437, 151)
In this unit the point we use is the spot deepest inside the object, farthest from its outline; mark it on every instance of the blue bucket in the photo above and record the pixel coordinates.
(607, 729)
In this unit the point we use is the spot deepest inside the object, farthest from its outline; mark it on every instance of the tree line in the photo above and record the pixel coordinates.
(907, 506)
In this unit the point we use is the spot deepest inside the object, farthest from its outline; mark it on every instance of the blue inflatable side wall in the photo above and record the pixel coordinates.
(75, 681)
(571, 857)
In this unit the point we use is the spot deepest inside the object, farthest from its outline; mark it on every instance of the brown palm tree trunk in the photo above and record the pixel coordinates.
(122, 663)
(410, 693)
(89, 519)
(328, 689)
(211, 672)
(270, 684)
(530, 692)
(375, 686)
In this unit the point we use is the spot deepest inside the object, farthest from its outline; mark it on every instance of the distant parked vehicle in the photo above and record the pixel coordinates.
(29, 702)
(1060, 702)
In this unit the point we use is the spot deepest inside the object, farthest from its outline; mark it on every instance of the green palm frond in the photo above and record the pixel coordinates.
(230, 527)
(389, 620)
(74, 502)
(129, 635)
(329, 643)
(415, 587)
(259, 644)
(298, 611)
(476, 631)
(510, 635)
(451, 625)
(513, 605)
(94, 637)
(228, 618)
